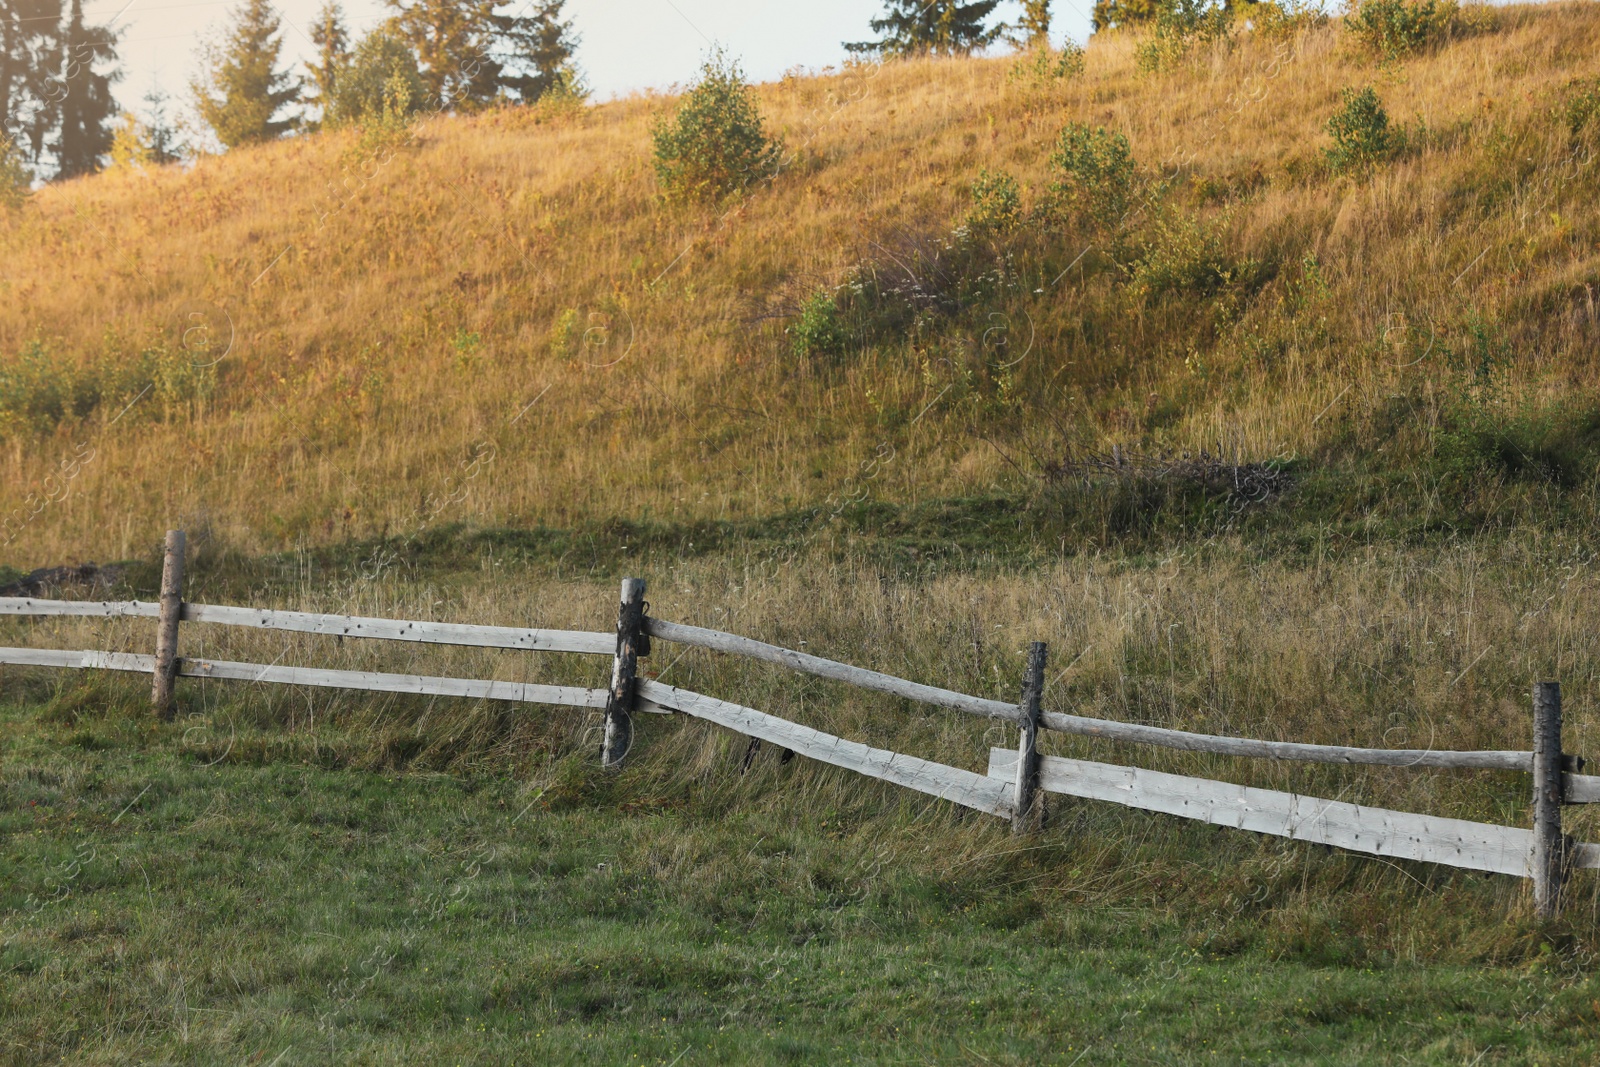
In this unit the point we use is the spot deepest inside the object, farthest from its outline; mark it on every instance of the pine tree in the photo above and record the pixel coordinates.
(452, 40)
(86, 104)
(1033, 28)
(328, 33)
(535, 51)
(161, 139)
(943, 27)
(243, 91)
(30, 50)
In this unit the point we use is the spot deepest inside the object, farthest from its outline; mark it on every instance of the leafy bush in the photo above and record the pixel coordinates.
(996, 204)
(381, 85)
(714, 144)
(1362, 135)
(1397, 28)
(1180, 29)
(39, 390)
(819, 331)
(1096, 172)
(1279, 20)
(1184, 254)
(1042, 66)
(1580, 111)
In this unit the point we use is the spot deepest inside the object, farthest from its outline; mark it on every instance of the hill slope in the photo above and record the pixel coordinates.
(505, 324)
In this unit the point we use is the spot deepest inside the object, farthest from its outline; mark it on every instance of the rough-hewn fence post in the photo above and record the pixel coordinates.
(1549, 846)
(631, 644)
(1029, 814)
(166, 672)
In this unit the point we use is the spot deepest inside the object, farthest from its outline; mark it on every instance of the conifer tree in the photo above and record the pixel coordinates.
(243, 92)
(1112, 13)
(452, 40)
(943, 27)
(332, 39)
(534, 51)
(86, 106)
(1033, 28)
(30, 94)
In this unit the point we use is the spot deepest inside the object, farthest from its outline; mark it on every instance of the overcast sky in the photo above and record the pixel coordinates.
(626, 44)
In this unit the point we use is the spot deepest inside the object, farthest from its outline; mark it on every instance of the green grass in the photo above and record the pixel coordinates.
(179, 895)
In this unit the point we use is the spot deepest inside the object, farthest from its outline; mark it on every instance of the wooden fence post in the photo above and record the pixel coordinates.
(631, 644)
(166, 672)
(1029, 814)
(1549, 846)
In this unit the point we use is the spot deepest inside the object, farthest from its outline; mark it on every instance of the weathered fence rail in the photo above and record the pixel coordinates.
(1010, 789)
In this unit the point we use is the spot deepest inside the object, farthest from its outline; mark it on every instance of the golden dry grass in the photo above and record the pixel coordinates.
(391, 327)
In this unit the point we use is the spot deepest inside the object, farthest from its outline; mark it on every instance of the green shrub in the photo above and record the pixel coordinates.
(1580, 111)
(381, 86)
(1096, 175)
(1185, 255)
(1362, 135)
(1180, 29)
(1042, 66)
(714, 144)
(819, 331)
(1397, 28)
(16, 181)
(39, 390)
(996, 204)
(1275, 21)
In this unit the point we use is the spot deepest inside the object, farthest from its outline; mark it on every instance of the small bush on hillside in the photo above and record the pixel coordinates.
(1580, 111)
(819, 332)
(1362, 134)
(1182, 28)
(380, 86)
(1275, 21)
(40, 390)
(15, 180)
(714, 144)
(996, 204)
(1396, 28)
(1042, 66)
(1185, 255)
(1096, 175)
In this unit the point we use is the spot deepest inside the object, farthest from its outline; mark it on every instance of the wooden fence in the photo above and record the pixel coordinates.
(1012, 786)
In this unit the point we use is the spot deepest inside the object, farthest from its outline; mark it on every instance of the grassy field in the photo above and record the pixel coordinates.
(331, 878)
(482, 379)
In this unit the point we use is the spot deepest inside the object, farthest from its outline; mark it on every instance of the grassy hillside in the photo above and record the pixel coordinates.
(506, 324)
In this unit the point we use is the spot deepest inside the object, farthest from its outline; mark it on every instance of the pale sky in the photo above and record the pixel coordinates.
(626, 44)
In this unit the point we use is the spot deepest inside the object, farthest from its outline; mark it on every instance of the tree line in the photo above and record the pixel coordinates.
(58, 117)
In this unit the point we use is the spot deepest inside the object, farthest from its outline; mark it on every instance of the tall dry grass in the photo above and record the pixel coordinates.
(394, 338)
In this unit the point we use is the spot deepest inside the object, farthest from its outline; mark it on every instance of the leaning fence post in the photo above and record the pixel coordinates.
(1029, 813)
(631, 644)
(1549, 847)
(166, 671)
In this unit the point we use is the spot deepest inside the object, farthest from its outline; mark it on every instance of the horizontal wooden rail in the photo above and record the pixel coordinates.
(1580, 789)
(421, 685)
(718, 641)
(434, 633)
(108, 609)
(950, 783)
(1284, 750)
(1106, 729)
(1377, 831)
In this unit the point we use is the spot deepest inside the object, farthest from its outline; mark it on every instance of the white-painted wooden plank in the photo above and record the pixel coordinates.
(472, 689)
(1587, 856)
(950, 783)
(1397, 834)
(1580, 789)
(19, 605)
(436, 633)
